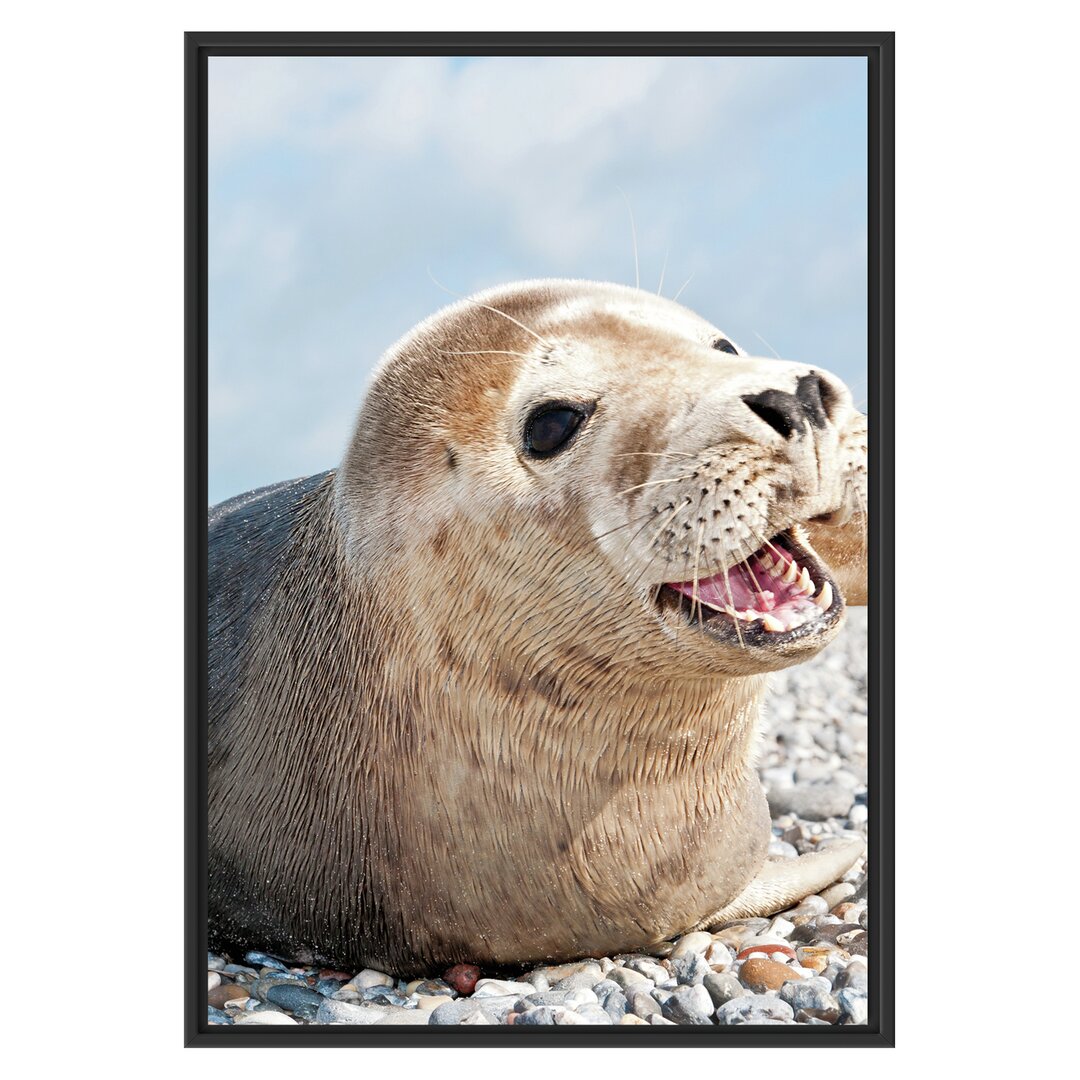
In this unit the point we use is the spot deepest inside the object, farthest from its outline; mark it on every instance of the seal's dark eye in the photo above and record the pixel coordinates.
(550, 428)
(724, 345)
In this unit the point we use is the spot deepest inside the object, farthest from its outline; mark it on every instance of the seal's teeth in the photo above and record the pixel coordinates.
(824, 598)
(775, 625)
(777, 568)
(805, 582)
(790, 573)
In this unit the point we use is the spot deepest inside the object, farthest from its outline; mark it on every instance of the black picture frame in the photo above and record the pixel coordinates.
(878, 48)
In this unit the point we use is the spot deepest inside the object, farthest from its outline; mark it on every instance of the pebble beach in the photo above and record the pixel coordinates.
(804, 966)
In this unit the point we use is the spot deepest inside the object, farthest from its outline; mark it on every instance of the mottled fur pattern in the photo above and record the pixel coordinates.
(448, 721)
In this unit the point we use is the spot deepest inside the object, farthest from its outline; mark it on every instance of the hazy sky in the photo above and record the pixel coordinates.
(336, 183)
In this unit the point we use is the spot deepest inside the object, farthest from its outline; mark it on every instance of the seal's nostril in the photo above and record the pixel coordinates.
(816, 397)
(781, 411)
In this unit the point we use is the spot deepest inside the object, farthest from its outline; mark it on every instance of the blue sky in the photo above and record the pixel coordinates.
(336, 183)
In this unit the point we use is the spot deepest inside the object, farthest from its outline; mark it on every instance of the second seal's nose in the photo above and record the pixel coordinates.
(789, 413)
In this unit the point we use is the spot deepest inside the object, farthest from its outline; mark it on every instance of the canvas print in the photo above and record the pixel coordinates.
(537, 447)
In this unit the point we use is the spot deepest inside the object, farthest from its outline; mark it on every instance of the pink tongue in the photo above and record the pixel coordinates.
(741, 588)
(735, 589)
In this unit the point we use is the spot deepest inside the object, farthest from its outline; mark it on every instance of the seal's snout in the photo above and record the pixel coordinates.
(811, 406)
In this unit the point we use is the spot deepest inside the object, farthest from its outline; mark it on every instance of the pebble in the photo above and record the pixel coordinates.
(631, 1018)
(500, 988)
(719, 955)
(723, 987)
(593, 1014)
(428, 986)
(263, 1018)
(555, 972)
(341, 1012)
(542, 1014)
(692, 944)
(615, 1005)
(854, 1007)
(760, 975)
(462, 977)
(370, 977)
(643, 1004)
(263, 960)
(854, 977)
(782, 849)
(216, 1016)
(221, 995)
(755, 1009)
(838, 893)
(690, 968)
(629, 979)
(813, 993)
(689, 1005)
(427, 1002)
(585, 979)
(215, 963)
(650, 969)
(213, 979)
(298, 1000)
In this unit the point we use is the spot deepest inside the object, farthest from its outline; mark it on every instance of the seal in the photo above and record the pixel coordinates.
(488, 692)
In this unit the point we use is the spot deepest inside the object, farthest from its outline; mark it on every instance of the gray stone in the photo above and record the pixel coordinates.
(585, 979)
(661, 1021)
(643, 1004)
(554, 972)
(690, 969)
(593, 1014)
(815, 802)
(616, 1005)
(291, 998)
(540, 1015)
(457, 1012)
(813, 993)
(722, 987)
(213, 980)
(629, 979)
(264, 1017)
(568, 1016)
(214, 963)
(782, 849)
(216, 1016)
(394, 1016)
(650, 968)
(689, 1005)
(341, 1012)
(755, 1009)
(855, 977)
(262, 960)
(854, 1006)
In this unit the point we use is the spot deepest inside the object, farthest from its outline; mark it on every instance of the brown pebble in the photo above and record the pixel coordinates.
(817, 958)
(462, 977)
(220, 994)
(337, 976)
(761, 975)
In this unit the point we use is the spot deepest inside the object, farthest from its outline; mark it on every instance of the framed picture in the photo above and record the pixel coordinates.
(539, 649)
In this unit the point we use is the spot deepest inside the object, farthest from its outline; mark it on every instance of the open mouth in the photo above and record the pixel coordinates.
(781, 592)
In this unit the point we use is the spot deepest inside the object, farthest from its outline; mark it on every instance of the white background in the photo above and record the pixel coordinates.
(986, 407)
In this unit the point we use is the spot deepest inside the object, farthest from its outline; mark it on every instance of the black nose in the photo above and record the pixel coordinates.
(788, 413)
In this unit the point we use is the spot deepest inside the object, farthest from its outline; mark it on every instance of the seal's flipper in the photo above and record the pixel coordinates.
(782, 883)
